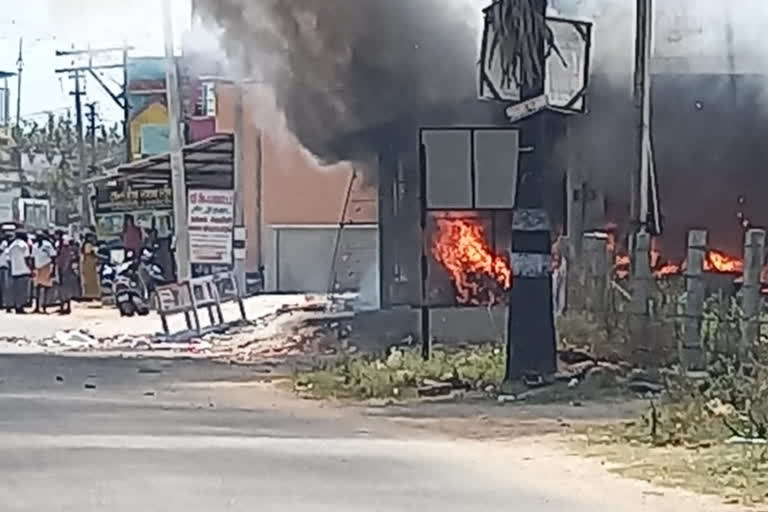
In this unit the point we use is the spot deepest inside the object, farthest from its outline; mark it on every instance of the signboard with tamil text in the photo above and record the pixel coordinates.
(211, 223)
(127, 199)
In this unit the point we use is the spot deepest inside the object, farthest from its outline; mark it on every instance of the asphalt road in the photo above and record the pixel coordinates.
(117, 435)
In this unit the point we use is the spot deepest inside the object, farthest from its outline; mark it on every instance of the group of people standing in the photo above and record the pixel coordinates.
(48, 269)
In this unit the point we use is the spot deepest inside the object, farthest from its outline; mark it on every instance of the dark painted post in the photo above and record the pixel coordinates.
(531, 329)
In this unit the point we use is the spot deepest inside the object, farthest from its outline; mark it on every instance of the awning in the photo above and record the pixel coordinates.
(208, 164)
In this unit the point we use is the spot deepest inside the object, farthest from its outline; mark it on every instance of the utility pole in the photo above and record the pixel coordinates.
(239, 243)
(643, 103)
(19, 69)
(639, 209)
(641, 181)
(126, 105)
(178, 176)
(121, 98)
(531, 347)
(78, 73)
(91, 116)
(84, 208)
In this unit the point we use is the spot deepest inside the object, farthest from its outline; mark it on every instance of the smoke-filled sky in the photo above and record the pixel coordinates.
(339, 66)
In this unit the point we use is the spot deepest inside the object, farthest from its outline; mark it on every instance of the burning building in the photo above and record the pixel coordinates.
(352, 87)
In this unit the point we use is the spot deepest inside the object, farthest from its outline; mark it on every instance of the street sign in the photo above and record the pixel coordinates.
(567, 68)
(520, 111)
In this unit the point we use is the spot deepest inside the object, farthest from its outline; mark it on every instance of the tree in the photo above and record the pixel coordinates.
(55, 143)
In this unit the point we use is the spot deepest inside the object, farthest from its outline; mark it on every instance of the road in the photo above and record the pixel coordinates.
(94, 435)
(106, 321)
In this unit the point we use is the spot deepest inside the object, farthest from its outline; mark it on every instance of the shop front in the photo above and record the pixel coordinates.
(151, 208)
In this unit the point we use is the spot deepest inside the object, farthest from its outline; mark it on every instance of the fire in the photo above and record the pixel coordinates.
(460, 246)
(668, 269)
(718, 261)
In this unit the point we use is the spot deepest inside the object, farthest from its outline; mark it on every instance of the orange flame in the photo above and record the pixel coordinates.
(668, 269)
(718, 261)
(460, 246)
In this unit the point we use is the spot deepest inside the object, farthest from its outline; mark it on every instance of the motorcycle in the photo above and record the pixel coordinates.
(135, 283)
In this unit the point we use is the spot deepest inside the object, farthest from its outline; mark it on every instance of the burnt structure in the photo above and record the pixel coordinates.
(398, 179)
(468, 182)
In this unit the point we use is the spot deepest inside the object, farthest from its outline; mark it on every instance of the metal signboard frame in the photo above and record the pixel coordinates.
(429, 206)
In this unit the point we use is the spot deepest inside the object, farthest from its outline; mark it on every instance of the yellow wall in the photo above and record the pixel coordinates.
(155, 113)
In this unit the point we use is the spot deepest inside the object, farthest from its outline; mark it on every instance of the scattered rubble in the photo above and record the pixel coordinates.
(317, 327)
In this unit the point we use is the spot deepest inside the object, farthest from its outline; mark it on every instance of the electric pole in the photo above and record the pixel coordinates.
(84, 208)
(641, 181)
(642, 95)
(120, 98)
(531, 347)
(239, 242)
(126, 106)
(178, 177)
(19, 69)
(91, 116)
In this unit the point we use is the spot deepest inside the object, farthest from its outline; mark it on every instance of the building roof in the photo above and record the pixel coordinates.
(6, 74)
(208, 163)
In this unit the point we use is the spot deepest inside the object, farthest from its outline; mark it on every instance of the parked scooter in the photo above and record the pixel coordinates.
(135, 283)
(128, 289)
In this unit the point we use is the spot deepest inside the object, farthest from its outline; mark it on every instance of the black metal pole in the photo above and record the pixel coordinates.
(530, 324)
(426, 328)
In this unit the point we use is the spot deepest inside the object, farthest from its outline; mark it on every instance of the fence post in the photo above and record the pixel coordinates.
(691, 349)
(641, 283)
(754, 259)
(597, 273)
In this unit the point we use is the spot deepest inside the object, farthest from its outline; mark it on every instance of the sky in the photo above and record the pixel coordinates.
(50, 25)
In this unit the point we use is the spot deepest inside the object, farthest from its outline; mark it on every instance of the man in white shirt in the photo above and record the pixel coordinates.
(5, 274)
(18, 255)
(43, 253)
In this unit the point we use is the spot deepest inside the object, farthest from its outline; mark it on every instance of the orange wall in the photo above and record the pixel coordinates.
(295, 188)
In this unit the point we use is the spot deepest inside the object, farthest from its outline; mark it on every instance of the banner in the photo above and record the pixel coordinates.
(211, 223)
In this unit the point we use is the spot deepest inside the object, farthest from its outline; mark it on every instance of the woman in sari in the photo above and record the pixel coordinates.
(89, 268)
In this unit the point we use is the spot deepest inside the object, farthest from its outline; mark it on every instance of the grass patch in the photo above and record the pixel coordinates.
(737, 473)
(682, 441)
(403, 372)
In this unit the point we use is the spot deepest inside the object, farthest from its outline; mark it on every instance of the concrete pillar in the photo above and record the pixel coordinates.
(597, 269)
(641, 287)
(754, 259)
(692, 355)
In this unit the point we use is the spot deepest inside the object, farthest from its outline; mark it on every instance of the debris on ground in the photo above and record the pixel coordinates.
(315, 327)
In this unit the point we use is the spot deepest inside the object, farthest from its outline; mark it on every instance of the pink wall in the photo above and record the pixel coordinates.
(296, 189)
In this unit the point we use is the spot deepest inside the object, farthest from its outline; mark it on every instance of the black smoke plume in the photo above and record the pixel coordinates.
(340, 66)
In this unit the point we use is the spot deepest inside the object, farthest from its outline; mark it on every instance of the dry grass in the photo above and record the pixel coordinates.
(737, 473)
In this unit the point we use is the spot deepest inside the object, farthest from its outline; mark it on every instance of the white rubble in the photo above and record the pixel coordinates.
(273, 332)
